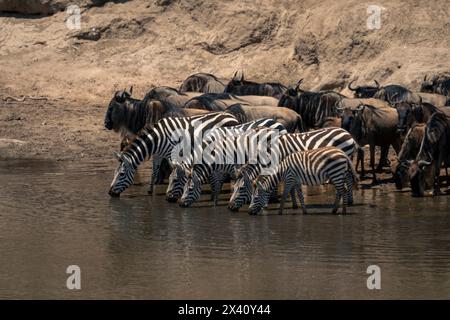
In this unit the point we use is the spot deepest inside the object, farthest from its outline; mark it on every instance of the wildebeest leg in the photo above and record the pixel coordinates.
(156, 164)
(372, 164)
(383, 158)
(360, 160)
(437, 173)
(300, 196)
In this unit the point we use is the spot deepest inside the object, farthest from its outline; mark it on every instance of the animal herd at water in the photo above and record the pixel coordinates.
(314, 135)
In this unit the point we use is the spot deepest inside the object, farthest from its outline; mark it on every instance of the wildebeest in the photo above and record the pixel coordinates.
(375, 127)
(313, 107)
(128, 116)
(219, 102)
(391, 93)
(434, 147)
(239, 86)
(408, 152)
(171, 95)
(287, 117)
(436, 84)
(436, 99)
(409, 113)
(202, 82)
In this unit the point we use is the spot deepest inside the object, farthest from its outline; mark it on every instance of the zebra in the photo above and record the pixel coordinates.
(289, 143)
(237, 146)
(178, 178)
(311, 167)
(158, 141)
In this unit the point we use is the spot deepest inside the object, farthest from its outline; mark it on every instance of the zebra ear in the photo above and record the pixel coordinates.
(118, 155)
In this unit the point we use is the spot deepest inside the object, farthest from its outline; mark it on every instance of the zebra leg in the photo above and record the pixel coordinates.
(300, 196)
(340, 192)
(294, 200)
(286, 192)
(274, 195)
(156, 164)
(216, 181)
(349, 183)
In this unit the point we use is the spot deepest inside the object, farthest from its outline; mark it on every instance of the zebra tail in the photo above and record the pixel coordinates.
(352, 171)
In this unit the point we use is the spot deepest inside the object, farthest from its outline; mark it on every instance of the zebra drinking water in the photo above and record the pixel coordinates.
(290, 143)
(158, 141)
(238, 147)
(178, 178)
(311, 167)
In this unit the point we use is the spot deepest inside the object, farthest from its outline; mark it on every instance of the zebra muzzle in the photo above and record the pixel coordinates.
(114, 194)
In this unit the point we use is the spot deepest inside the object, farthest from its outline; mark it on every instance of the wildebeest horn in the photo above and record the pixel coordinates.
(425, 78)
(298, 84)
(131, 90)
(410, 162)
(376, 82)
(350, 86)
(390, 99)
(360, 107)
(423, 163)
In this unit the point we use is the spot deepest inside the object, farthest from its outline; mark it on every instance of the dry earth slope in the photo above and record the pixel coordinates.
(147, 43)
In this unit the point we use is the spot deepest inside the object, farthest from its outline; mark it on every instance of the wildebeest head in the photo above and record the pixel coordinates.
(236, 81)
(428, 84)
(287, 99)
(350, 117)
(364, 91)
(406, 115)
(417, 180)
(401, 175)
(421, 178)
(114, 107)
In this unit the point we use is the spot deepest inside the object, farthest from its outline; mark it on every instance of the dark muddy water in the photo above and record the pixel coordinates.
(53, 215)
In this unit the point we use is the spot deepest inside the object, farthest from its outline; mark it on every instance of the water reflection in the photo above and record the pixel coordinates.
(140, 246)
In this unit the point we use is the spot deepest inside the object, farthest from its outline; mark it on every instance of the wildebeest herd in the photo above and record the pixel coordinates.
(313, 134)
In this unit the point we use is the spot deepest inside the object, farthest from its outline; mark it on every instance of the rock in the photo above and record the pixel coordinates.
(306, 50)
(45, 7)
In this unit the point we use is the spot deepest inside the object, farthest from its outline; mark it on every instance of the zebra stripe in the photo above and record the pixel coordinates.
(156, 141)
(178, 178)
(311, 167)
(231, 142)
(290, 143)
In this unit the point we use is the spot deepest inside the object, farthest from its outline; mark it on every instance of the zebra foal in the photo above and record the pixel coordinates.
(311, 167)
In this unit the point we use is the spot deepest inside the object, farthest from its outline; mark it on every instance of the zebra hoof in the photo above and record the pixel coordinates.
(334, 211)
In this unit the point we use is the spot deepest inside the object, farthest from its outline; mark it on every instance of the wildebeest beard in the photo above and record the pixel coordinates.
(131, 115)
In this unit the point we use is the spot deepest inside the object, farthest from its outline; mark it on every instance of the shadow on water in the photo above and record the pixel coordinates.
(56, 214)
